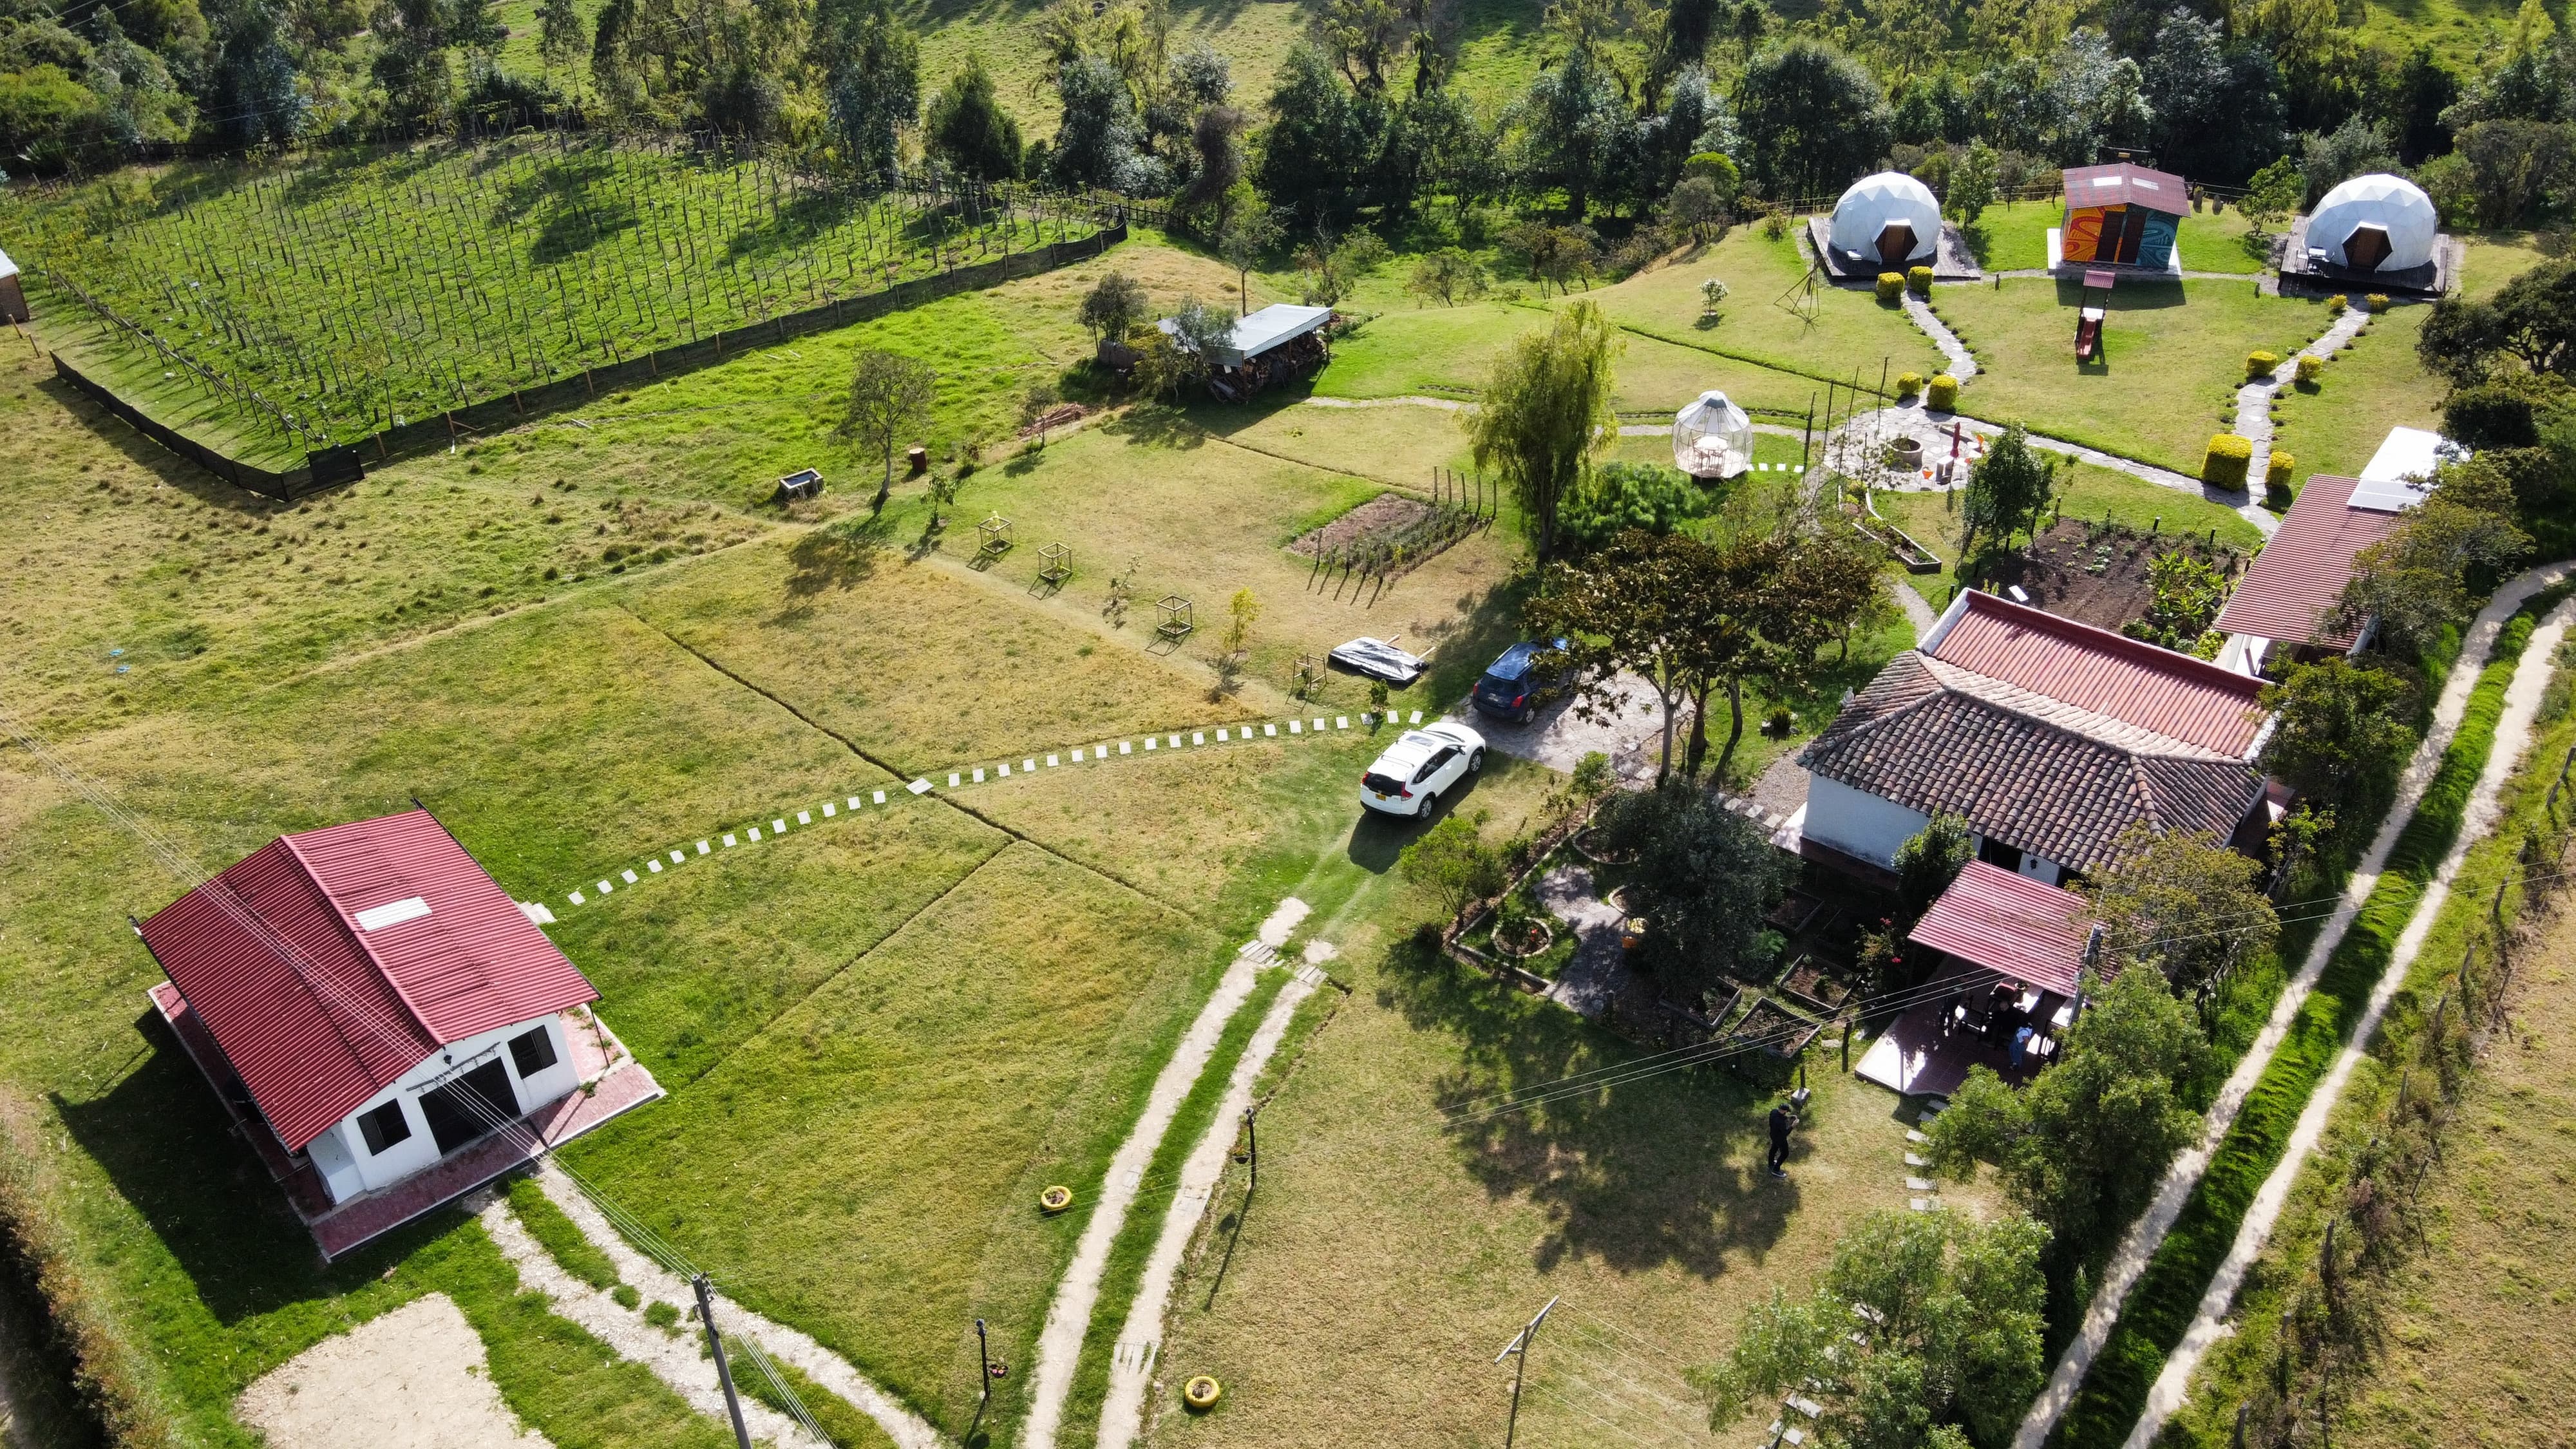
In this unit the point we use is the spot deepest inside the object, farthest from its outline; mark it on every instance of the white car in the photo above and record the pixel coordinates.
(1420, 767)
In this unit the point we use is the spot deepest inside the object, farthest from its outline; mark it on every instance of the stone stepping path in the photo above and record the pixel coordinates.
(806, 817)
(1963, 363)
(2138, 1246)
(2254, 399)
(1924, 1194)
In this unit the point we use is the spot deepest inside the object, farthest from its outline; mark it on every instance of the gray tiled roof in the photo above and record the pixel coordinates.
(2027, 770)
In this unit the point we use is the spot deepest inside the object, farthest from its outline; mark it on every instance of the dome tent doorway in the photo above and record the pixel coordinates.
(1713, 438)
(2378, 232)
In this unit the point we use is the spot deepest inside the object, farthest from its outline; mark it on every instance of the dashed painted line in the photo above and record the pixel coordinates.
(963, 778)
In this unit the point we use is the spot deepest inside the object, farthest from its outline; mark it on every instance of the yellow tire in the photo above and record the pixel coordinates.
(1201, 1393)
(1055, 1200)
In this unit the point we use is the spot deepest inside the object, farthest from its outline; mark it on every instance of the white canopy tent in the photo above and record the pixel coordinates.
(2375, 223)
(1712, 438)
(1890, 217)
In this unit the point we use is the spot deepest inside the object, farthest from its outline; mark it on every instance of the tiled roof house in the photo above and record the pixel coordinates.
(2052, 738)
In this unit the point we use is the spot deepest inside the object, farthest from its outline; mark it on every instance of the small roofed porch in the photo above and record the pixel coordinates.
(613, 1082)
(2008, 952)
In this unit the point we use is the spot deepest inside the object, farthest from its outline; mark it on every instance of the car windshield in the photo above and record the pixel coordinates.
(1499, 683)
(1381, 784)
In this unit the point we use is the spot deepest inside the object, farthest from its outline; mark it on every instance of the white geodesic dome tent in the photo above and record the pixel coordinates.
(1712, 438)
(2375, 223)
(1890, 217)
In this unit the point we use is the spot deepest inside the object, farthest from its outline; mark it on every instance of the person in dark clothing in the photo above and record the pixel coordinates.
(1782, 1119)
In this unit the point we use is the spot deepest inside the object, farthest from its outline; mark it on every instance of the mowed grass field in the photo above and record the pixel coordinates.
(2014, 237)
(2172, 356)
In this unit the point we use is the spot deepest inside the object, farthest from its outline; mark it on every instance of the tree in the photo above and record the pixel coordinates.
(2415, 581)
(1573, 131)
(890, 399)
(2273, 194)
(1704, 878)
(1452, 864)
(1216, 178)
(1812, 119)
(2424, 91)
(1972, 186)
(1331, 268)
(1621, 496)
(1249, 233)
(2339, 733)
(1927, 862)
(871, 66)
(2356, 148)
(2217, 103)
(2007, 489)
(1621, 611)
(1694, 209)
(1544, 413)
(1113, 307)
(1445, 276)
(1241, 613)
(1098, 143)
(2184, 904)
(2516, 166)
(2081, 1148)
(1365, 35)
(2535, 317)
(967, 127)
(1924, 1323)
(559, 32)
(1323, 145)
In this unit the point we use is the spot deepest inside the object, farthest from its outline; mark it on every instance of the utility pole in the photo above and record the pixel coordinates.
(1520, 1346)
(724, 1371)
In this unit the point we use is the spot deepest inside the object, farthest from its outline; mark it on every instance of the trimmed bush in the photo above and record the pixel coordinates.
(1908, 384)
(2276, 480)
(2378, 303)
(1920, 280)
(1890, 286)
(2337, 305)
(1944, 396)
(2497, 414)
(2226, 462)
(2311, 367)
(2259, 365)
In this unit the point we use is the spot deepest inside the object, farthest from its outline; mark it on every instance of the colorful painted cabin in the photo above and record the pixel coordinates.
(2123, 214)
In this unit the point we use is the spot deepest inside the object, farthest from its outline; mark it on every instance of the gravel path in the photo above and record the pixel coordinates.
(1069, 1316)
(414, 1378)
(1409, 400)
(674, 1356)
(1131, 1370)
(1963, 363)
(2513, 737)
(623, 1329)
(2254, 399)
(2147, 1234)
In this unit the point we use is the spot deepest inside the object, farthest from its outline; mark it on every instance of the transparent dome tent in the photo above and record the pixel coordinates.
(1712, 438)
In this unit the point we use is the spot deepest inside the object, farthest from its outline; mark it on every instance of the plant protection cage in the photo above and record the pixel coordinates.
(1712, 438)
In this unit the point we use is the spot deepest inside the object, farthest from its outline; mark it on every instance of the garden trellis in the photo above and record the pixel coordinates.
(327, 298)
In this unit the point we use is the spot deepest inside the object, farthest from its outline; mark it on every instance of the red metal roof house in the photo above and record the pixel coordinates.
(2292, 594)
(2052, 738)
(386, 1014)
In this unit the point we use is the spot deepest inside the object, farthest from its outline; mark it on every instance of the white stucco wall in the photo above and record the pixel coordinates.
(340, 1154)
(1858, 824)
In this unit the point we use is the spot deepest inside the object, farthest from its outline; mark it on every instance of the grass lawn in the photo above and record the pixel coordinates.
(2014, 237)
(2084, 491)
(1852, 333)
(2373, 385)
(2173, 355)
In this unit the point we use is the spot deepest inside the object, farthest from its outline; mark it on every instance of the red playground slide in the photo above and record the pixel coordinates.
(2088, 334)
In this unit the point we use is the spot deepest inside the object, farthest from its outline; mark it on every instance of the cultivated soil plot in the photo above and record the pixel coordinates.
(2096, 575)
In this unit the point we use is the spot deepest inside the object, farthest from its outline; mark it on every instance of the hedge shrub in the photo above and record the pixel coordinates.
(2226, 462)
(2337, 305)
(1920, 279)
(1908, 384)
(1944, 396)
(2259, 365)
(2311, 367)
(2378, 303)
(1890, 286)
(2276, 479)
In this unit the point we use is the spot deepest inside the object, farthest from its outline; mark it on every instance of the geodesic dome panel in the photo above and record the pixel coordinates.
(1890, 217)
(1712, 438)
(2382, 216)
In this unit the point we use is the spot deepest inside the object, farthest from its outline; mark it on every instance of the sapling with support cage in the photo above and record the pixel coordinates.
(1174, 618)
(1059, 564)
(995, 532)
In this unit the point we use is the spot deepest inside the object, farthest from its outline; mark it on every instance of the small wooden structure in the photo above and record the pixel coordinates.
(1059, 564)
(1309, 673)
(13, 297)
(803, 483)
(1175, 621)
(2121, 215)
(995, 533)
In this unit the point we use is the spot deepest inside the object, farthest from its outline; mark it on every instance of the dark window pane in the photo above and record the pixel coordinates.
(384, 1127)
(532, 1052)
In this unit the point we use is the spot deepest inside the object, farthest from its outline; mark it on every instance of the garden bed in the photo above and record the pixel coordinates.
(1386, 515)
(1812, 985)
(2097, 574)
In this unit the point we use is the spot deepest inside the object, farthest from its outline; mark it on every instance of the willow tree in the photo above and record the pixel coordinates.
(1545, 412)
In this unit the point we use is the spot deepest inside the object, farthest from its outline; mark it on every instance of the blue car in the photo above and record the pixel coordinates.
(1514, 686)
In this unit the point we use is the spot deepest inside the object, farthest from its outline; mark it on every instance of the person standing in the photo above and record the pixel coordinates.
(1782, 1119)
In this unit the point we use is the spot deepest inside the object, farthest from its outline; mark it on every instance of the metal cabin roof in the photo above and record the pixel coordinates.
(2124, 184)
(2010, 924)
(327, 964)
(2292, 590)
(2126, 679)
